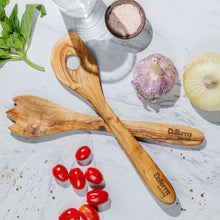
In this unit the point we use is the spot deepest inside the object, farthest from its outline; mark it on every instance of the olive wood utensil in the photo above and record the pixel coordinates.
(85, 81)
(36, 116)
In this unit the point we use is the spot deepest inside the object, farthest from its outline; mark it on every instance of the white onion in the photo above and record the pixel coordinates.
(202, 81)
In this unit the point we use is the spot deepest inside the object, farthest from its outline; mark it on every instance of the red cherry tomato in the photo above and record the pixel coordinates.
(93, 175)
(87, 212)
(77, 178)
(60, 172)
(97, 197)
(70, 214)
(83, 153)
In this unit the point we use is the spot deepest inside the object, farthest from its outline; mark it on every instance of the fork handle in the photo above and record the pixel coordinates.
(146, 167)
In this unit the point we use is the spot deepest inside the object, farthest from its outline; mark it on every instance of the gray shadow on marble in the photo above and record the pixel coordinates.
(105, 206)
(172, 210)
(110, 52)
(81, 192)
(36, 19)
(210, 116)
(51, 137)
(104, 50)
(167, 101)
(138, 43)
(78, 96)
(65, 184)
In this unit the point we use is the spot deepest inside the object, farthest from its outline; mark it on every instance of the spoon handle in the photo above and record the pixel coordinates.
(168, 133)
(146, 167)
(85, 81)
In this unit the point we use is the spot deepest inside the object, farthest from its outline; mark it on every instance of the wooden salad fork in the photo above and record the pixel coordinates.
(85, 81)
(36, 116)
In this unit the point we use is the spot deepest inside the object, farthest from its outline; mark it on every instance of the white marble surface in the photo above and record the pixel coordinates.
(180, 30)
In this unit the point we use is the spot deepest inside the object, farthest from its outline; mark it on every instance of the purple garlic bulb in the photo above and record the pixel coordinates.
(154, 77)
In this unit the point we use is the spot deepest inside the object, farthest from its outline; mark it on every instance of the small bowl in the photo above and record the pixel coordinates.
(121, 2)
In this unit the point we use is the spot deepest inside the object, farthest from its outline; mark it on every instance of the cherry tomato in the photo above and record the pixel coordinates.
(60, 172)
(87, 212)
(70, 214)
(83, 153)
(97, 197)
(93, 175)
(77, 178)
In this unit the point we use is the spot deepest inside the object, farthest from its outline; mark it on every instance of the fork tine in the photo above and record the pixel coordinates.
(20, 130)
(16, 100)
(12, 113)
(15, 128)
(21, 99)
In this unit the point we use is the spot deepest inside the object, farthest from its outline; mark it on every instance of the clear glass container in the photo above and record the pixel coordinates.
(76, 8)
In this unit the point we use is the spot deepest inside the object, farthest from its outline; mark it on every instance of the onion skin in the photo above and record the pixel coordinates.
(201, 81)
(152, 83)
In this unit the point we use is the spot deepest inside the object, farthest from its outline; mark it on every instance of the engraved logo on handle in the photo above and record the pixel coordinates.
(162, 187)
(183, 135)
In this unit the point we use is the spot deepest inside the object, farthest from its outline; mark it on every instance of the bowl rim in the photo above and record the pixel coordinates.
(120, 2)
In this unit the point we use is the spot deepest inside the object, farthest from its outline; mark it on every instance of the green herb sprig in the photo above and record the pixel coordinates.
(15, 34)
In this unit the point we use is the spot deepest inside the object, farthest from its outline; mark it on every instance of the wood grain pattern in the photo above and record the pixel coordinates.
(85, 81)
(36, 116)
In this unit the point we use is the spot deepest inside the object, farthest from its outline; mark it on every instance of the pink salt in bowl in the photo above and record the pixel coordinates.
(125, 18)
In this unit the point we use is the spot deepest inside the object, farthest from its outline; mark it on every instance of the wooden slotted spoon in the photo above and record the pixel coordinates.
(85, 81)
(35, 117)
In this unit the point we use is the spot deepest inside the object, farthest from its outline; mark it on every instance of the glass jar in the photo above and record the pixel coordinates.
(76, 8)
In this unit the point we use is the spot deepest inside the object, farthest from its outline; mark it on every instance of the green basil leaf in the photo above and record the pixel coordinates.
(6, 25)
(14, 19)
(2, 60)
(2, 13)
(4, 2)
(27, 19)
(3, 44)
(4, 53)
(5, 34)
(15, 41)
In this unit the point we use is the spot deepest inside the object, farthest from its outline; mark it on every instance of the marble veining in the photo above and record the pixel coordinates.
(178, 29)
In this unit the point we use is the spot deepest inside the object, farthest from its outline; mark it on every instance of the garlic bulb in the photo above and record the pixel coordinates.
(154, 77)
(202, 81)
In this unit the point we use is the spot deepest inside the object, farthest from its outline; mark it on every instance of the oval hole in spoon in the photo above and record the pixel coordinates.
(73, 62)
